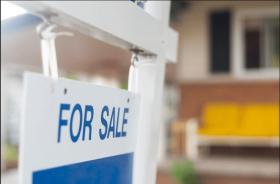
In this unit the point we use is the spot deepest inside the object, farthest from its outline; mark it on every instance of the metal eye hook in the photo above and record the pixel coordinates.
(134, 59)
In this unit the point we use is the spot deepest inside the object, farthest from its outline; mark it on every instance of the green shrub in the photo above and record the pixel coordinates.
(184, 172)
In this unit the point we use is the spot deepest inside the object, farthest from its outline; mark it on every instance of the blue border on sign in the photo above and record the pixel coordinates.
(109, 170)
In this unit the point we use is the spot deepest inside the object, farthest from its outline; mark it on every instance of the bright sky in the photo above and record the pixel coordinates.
(9, 10)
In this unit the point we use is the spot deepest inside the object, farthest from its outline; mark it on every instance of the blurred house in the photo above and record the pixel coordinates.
(229, 51)
(228, 78)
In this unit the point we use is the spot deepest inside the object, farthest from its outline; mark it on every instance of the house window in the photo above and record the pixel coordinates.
(261, 47)
(255, 45)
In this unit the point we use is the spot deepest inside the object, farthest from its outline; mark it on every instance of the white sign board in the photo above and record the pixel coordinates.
(76, 133)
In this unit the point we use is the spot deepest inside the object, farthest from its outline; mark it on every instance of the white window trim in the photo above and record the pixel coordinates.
(237, 58)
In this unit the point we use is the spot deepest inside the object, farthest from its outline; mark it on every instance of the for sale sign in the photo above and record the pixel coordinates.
(76, 133)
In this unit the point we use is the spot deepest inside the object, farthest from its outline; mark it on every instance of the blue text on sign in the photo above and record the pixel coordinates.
(113, 122)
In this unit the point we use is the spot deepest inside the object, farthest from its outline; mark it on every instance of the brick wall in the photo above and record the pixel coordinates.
(195, 95)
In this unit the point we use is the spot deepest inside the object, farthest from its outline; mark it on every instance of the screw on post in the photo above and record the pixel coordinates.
(140, 3)
(139, 54)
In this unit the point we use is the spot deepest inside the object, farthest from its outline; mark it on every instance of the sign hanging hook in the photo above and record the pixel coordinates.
(49, 57)
(138, 59)
(133, 73)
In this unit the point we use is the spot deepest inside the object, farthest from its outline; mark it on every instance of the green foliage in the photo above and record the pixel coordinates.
(72, 76)
(124, 86)
(184, 172)
(11, 153)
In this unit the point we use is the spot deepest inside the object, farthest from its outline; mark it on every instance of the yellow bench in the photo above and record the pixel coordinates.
(240, 120)
(230, 124)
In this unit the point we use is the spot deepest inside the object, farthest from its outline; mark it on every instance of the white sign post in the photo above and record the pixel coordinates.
(74, 132)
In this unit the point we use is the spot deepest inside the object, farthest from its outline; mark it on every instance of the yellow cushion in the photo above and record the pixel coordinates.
(259, 120)
(220, 115)
(219, 119)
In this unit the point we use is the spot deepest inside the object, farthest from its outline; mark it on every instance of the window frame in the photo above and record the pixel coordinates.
(238, 44)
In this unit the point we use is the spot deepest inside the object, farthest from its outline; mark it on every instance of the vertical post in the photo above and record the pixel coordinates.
(149, 84)
(4, 86)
